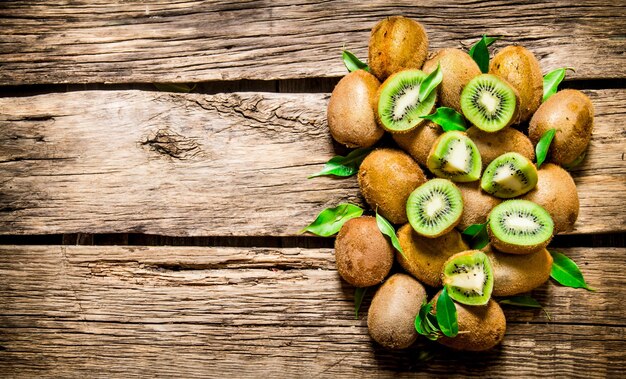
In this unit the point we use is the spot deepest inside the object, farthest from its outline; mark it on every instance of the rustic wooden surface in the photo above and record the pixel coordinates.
(226, 164)
(190, 41)
(193, 311)
(90, 154)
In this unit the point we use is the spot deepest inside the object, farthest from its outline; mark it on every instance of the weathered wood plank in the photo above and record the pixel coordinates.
(188, 311)
(160, 41)
(226, 164)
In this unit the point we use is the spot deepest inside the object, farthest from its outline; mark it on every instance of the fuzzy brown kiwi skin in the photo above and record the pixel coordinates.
(515, 274)
(480, 327)
(362, 253)
(492, 145)
(519, 67)
(425, 256)
(386, 178)
(396, 43)
(391, 316)
(352, 110)
(419, 141)
(556, 192)
(418, 123)
(515, 249)
(570, 112)
(458, 68)
(477, 204)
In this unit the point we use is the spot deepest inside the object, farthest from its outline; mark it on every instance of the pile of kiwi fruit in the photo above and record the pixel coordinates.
(433, 184)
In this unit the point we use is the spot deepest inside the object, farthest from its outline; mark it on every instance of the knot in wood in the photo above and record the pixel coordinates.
(173, 145)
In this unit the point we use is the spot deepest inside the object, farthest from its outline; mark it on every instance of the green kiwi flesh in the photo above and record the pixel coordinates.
(434, 208)
(509, 175)
(399, 108)
(489, 103)
(468, 277)
(454, 156)
(520, 227)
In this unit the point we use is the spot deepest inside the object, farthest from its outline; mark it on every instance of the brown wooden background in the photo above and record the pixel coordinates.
(148, 233)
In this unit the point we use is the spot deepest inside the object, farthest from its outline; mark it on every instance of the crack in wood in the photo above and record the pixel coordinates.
(173, 145)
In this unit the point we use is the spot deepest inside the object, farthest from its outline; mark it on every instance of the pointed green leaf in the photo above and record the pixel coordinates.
(430, 83)
(174, 87)
(330, 220)
(521, 301)
(566, 272)
(446, 315)
(479, 234)
(488, 41)
(543, 146)
(480, 54)
(474, 229)
(359, 294)
(552, 80)
(448, 119)
(421, 316)
(352, 62)
(387, 229)
(344, 166)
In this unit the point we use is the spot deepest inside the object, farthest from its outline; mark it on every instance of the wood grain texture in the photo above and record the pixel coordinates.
(226, 164)
(250, 312)
(189, 41)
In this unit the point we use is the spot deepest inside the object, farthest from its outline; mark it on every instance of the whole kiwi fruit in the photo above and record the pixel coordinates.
(570, 112)
(396, 43)
(518, 66)
(458, 68)
(515, 274)
(480, 327)
(556, 192)
(492, 145)
(352, 110)
(386, 179)
(476, 204)
(419, 141)
(391, 317)
(424, 257)
(362, 253)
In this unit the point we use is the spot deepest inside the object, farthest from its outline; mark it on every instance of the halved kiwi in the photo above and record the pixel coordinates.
(509, 175)
(419, 141)
(434, 208)
(489, 103)
(399, 108)
(454, 156)
(520, 227)
(424, 257)
(468, 277)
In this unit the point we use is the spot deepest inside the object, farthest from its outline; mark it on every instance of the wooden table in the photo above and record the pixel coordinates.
(203, 193)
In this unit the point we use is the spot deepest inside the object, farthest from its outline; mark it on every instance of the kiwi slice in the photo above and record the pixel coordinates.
(454, 156)
(489, 103)
(434, 208)
(468, 277)
(399, 108)
(509, 175)
(520, 227)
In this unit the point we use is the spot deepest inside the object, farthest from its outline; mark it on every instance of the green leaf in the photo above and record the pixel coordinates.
(478, 232)
(330, 220)
(566, 272)
(448, 119)
(174, 87)
(344, 166)
(480, 53)
(430, 83)
(446, 315)
(352, 62)
(524, 301)
(543, 146)
(359, 294)
(521, 301)
(488, 41)
(552, 80)
(387, 229)
(426, 324)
